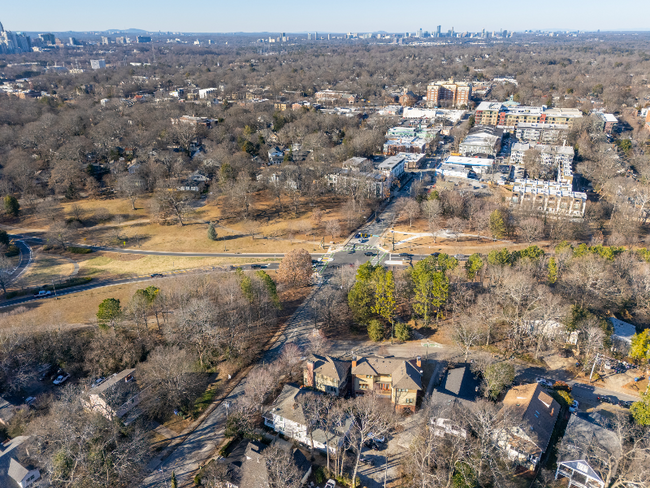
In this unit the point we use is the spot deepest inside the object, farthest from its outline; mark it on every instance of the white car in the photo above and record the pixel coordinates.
(376, 438)
(61, 379)
(574, 406)
(544, 382)
(43, 293)
(330, 484)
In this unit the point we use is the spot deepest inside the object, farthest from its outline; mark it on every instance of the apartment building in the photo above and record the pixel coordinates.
(399, 380)
(550, 197)
(542, 133)
(405, 145)
(508, 115)
(550, 154)
(484, 140)
(332, 95)
(452, 93)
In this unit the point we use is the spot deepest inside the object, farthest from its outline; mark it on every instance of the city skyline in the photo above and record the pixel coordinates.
(296, 17)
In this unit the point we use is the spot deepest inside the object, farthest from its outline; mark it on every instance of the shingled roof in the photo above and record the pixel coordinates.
(537, 410)
(404, 374)
(330, 367)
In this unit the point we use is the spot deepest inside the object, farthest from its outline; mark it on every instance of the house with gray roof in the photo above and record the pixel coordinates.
(248, 468)
(287, 417)
(15, 469)
(327, 374)
(398, 379)
(117, 396)
(459, 385)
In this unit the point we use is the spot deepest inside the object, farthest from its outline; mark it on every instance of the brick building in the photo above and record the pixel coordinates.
(453, 93)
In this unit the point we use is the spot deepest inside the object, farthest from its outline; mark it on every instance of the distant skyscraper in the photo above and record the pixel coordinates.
(309, 36)
(420, 32)
(97, 63)
(12, 42)
(452, 32)
(438, 30)
(47, 38)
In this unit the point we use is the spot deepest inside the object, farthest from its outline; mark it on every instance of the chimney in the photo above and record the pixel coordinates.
(419, 362)
(309, 375)
(354, 362)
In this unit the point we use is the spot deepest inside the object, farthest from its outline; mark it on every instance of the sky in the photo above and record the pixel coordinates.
(324, 16)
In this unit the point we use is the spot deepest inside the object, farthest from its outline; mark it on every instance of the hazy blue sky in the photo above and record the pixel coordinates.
(323, 16)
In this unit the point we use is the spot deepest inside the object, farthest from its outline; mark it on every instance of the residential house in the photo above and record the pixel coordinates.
(196, 121)
(276, 155)
(115, 397)
(7, 411)
(286, 417)
(623, 334)
(580, 462)
(247, 466)
(607, 122)
(327, 374)
(458, 387)
(15, 468)
(399, 380)
(482, 140)
(538, 412)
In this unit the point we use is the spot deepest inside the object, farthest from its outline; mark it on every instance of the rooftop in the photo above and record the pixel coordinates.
(404, 373)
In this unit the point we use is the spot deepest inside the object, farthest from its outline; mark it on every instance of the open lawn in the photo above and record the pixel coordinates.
(115, 265)
(66, 312)
(270, 228)
(44, 269)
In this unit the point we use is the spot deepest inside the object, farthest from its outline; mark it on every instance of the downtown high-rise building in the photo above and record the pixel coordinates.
(13, 42)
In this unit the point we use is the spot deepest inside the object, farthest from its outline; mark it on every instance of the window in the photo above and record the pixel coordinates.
(408, 400)
(363, 386)
(369, 376)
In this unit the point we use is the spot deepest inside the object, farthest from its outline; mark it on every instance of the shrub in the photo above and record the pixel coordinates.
(79, 250)
(376, 330)
(12, 251)
(562, 386)
(402, 331)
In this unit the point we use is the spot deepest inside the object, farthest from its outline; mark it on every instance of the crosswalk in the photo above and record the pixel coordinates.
(359, 247)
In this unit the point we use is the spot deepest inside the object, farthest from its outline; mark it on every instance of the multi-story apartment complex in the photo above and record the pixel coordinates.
(482, 140)
(555, 198)
(550, 154)
(332, 95)
(453, 93)
(542, 133)
(510, 115)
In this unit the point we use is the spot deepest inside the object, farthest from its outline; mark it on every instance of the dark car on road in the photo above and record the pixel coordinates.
(356, 236)
(369, 253)
(608, 399)
(256, 266)
(157, 275)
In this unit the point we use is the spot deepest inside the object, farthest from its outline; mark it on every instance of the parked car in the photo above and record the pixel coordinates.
(29, 400)
(97, 382)
(574, 406)
(62, 378)
(436, 254)
(330, 484)
(608, 399)
(544, 382)
(377, 438)
(366, 460)
(625, 403)
(43, 293)
(356, 236)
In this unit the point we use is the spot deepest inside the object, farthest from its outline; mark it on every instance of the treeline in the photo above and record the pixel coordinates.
(176, 337)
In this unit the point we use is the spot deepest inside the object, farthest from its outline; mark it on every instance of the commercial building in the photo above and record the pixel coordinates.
(332, 95)
(397, 379)
(456, 171)
(48, 39)
(448, 93)
(97, 63)
(13, 42)
(143, 39)
(395, 133)
(483, 140)
(454, 116)
(478, 165)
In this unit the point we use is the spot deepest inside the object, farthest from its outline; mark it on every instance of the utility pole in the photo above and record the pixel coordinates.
(594, 366)
(54, 287)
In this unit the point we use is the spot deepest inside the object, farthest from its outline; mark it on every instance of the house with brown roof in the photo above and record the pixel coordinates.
(395, 378)
(327, 374)
(536, 412)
